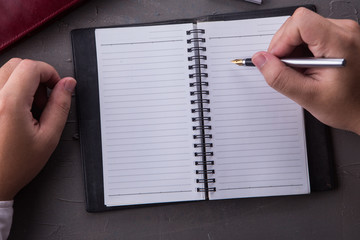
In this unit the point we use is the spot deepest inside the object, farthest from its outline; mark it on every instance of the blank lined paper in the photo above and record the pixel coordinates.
(258, 134)
(146, 128)
(146, 115)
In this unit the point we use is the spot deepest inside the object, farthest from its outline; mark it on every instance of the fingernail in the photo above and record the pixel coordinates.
(70, 85)
(259, 60)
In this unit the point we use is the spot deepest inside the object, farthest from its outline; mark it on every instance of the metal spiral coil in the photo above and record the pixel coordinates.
(198, 66)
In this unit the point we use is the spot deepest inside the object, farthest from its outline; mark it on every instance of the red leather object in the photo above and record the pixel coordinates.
(19, 17)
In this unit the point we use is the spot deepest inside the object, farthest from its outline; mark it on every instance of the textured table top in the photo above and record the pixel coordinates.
(53, 205)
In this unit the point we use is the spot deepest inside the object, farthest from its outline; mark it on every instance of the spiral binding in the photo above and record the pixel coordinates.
(212, 189)
(207, 101)
(202, 107)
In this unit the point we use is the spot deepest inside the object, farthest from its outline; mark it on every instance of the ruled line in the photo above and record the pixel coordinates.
(154, 136)
(237, 45)
(146, 81)
(258, 149)
(141, 94)
(252, 124)
(240, 36)
(142, 69)
(139, 162)
(258, 143)
(267, 161)
(146, 174)
(260, 136)
(259, 130)
(238, 75)
(232, 50)
(135, 43)
(257, 168)
(144, 124)
(166, 31)
(146, 193)
(142, 88)
(247, 100)
(239, 88)
(265, 180)
(258, 105)
(147, 168)
(132, 64)
(127, 58)
(150, 186)
(147, 143)
(145, 75)
(159, 111)
(148, 106)
(258, 174)
(144, 149)
(268, 186)
(261, 111)
(175, 36)
(262, 155)
(144, 50)
(143, 118)
(271, 91)
(149, 180)
(144, 100)
(263, 118)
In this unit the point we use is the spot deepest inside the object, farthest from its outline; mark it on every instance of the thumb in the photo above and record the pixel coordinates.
(286, 80)
(54, 116)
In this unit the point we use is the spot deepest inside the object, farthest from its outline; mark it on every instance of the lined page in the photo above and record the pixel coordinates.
(258, 134)
(146, 128)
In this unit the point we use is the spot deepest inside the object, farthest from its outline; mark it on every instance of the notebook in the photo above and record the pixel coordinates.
(166, 117)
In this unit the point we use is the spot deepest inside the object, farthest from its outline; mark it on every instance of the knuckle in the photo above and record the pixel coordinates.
(27, 64)
(15, 60)
(300, 13)
(352, 25)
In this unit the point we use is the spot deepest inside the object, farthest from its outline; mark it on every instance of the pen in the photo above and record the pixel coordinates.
(300, 62)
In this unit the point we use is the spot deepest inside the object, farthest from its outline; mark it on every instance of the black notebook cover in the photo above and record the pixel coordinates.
(320, 159)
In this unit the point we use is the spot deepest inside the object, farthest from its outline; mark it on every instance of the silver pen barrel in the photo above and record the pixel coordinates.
(314, 62)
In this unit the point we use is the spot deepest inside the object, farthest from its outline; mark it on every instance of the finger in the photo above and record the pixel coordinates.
(26, 77)
(54, 116)
(278, 34)
(305, 26)
(7, 69)
(286, 80)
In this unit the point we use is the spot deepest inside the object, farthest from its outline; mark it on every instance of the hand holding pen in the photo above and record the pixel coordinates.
(331, 94)
(300, 62)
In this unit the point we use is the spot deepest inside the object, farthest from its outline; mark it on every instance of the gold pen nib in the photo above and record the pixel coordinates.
(239, 62)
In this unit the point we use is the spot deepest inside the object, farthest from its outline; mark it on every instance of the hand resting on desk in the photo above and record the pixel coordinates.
(26, 143)
(331, 94)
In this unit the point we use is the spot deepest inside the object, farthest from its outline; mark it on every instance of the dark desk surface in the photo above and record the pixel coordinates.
(53, 205)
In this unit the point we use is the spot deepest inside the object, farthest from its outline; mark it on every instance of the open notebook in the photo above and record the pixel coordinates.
(180, 122)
